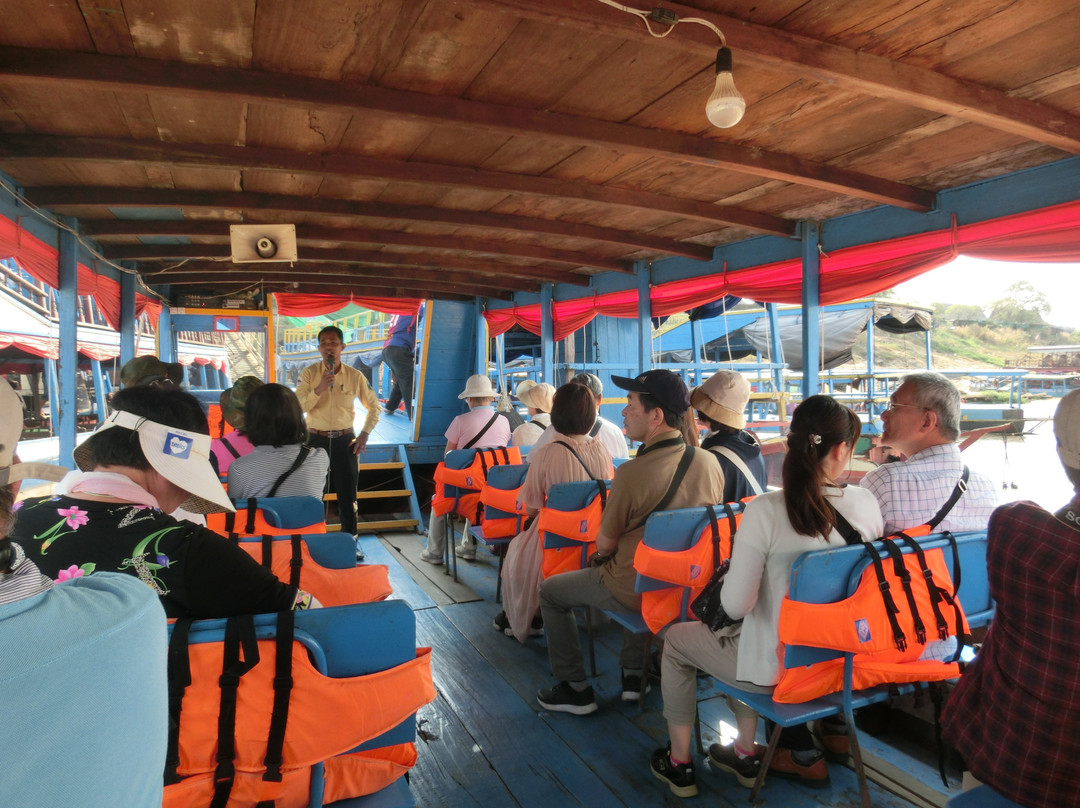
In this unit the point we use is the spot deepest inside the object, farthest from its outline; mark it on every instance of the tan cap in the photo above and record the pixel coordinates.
(1067, 429)
(723, 398)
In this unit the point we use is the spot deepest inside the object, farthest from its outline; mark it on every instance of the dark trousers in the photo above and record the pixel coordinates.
(343, 475)
(400, 361)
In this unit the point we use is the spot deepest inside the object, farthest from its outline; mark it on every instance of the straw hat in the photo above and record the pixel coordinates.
(180, 456)
(1067, 429)
(723, 398)
(523, 388)
(11, 425)
(539, 396)
(478, 386)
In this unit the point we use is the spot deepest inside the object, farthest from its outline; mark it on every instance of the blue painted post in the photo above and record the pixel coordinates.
(481, 339)
(202, 377)
(99, 390)
(811, 266)
(166, 340)
(65, 408)
(929, 351)
(127, 318)
(547, 335)
(644, 273)
(776, 354)
(695, 346)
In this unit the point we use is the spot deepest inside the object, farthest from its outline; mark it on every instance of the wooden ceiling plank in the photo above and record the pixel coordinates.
(310, 233)
(859, 70)
(172, 252)
(60, 196)
(120, 73)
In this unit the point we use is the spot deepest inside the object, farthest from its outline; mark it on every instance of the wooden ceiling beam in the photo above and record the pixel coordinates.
(72, 69)
(240, 158)
(387, 285)
(518, 276)
(308, 233)
(109, 197)
(848, 69)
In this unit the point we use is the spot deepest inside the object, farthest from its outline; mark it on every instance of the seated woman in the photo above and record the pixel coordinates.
(281, 464)
(150, 456)
(570, 456)
(226, 449)
(1012, 716)
(537, 398)
(777, 528)
(478, 428)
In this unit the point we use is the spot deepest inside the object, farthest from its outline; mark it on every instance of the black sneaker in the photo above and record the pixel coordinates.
(631, 687)
(745, 769)
(680, 779)
(536, 627)
(502, 624)
(564, 699)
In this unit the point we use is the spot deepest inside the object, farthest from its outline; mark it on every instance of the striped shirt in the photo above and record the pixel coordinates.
(23, 581)
(911, 492)
(254, 474)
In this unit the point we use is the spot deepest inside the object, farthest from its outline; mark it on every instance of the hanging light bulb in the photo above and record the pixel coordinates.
(726, 105)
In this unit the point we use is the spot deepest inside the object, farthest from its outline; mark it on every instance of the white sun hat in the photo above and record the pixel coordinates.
(11, 426)
(180, 456)
(478, 386)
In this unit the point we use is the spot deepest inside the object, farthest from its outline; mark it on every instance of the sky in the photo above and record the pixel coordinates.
(979, 282)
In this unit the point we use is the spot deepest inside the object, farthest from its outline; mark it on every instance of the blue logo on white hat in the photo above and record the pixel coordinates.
(177, 445)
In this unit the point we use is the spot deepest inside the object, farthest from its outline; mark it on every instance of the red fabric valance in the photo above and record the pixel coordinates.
(297, 305)
(1048, 235)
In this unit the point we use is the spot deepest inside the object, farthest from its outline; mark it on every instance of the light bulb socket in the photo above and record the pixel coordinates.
(723, 61)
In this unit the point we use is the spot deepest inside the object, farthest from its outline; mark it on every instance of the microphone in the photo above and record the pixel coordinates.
(330, 363)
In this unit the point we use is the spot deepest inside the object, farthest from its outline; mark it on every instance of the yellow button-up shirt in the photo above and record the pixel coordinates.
(335, 409)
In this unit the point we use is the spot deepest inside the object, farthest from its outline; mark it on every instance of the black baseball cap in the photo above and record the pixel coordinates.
(666, 387)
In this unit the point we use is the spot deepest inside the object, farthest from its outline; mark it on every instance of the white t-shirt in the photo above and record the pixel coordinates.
(610, 435)
(766, 547)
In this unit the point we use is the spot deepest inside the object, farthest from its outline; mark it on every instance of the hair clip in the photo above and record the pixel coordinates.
(814, 439)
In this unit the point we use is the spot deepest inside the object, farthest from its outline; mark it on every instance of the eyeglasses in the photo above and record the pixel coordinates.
(892, 405)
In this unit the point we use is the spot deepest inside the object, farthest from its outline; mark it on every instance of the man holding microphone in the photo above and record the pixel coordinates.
(328, 391)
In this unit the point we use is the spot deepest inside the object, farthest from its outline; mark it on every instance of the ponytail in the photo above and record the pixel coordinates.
(818, 424)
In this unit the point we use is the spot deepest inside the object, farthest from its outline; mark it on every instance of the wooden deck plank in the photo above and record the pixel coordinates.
(405, 588)
(533, 761)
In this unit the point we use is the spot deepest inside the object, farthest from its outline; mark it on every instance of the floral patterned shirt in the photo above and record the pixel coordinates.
(196, 572)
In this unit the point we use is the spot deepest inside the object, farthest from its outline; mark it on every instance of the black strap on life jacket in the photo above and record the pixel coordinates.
(932, 589)
(283, 685)
(296, 559)
(230, 523)
(179, 677)
(232, 449)
(890, 606)
(714, 528)
(239, 637)
(901, 571)
(958, 491)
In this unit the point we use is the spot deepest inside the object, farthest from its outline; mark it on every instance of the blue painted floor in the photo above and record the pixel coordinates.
(485, 742)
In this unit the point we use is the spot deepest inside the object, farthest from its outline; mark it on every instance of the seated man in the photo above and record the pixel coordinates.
(1012, 717)
(923, 421)
(658, 400)
(82, 672)
(610, 435)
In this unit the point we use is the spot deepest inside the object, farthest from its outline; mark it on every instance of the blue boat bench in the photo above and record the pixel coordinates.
(830, 575)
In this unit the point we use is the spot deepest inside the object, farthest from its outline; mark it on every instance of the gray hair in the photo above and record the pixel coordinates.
(936, 393)
(591, 381)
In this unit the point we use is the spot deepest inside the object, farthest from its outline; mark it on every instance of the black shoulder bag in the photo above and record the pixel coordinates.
(707, 607)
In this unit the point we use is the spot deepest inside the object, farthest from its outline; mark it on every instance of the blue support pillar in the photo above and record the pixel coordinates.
(644, 273)
(202, 377)
(99, 390)
(481, 340)
(547, 336)
(929, 351)
(695, 346)
(127, 318)
(65, 408)
(811, 266)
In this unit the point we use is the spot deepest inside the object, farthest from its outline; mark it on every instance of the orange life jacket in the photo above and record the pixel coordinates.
(290, 560)
(902, 603)
(688, 570)
(578, 527)
(503, 514)
(458, 490)
(276, 716)
(252, 522)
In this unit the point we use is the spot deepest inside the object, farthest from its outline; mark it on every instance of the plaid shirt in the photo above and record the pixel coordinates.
(911, 492)
(1015, 714)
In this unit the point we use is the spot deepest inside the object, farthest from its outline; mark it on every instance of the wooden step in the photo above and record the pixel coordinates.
(383, 494)
(391, 464)
(385, 524)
